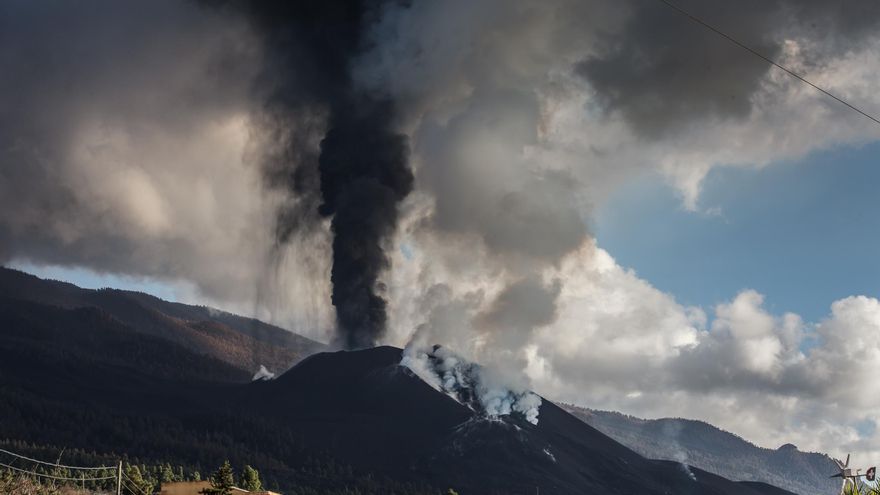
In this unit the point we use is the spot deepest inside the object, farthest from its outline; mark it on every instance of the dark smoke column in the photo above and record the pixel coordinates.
(364, 175)
(360, 174)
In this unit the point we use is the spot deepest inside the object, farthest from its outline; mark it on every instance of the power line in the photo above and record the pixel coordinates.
(132, 488)
(57, 465)
(62, 478)
(127, 486)
(766, 59)
(131, 485)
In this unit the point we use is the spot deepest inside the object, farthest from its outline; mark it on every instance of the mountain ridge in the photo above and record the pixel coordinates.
(710, 448)
(245, 343)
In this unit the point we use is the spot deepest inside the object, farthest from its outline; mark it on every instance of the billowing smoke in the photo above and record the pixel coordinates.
(532, 111)
(358, 174)
(478, 388)
(664, 73)
(129, 140)
(177, 142)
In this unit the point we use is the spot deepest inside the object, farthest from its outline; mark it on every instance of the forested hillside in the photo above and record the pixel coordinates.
(243, 343)
(707, 447)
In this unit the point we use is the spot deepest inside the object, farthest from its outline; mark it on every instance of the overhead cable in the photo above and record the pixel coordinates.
(767, 59)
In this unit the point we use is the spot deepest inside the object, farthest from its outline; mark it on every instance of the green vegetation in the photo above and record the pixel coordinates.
(862, 489)
(316, 475)
(250, 479)
(138, 483)
(222, 481)
(11, 485)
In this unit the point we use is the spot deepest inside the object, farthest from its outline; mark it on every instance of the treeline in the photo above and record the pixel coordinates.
(317, 475)
(197, 443)
(149, 479)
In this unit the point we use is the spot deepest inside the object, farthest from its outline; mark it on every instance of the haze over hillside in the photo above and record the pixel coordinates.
(702, 445)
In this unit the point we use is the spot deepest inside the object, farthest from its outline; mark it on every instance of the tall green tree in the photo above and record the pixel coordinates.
(167, 474)
(136, 484)
(222, 481)
(250, 479)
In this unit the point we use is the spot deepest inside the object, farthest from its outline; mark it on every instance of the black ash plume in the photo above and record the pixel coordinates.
(359, 173)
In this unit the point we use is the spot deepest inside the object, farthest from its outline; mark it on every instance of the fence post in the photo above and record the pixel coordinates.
(119, 479)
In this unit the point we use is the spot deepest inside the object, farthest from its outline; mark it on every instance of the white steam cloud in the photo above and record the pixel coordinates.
(263, 374)
(470, 384)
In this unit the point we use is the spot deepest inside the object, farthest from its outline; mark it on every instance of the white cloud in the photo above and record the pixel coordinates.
(621, 344)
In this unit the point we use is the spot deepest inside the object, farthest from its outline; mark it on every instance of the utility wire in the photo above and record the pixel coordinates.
(764, 58)
(132, 486)
(127, 486)
(62, 478)
(57, 465)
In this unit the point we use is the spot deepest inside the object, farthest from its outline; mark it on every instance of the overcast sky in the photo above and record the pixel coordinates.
(641, 215)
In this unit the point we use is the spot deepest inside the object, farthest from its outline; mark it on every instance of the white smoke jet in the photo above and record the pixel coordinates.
(263, 374)
(470, 383)
(687, 471)
(673, 430)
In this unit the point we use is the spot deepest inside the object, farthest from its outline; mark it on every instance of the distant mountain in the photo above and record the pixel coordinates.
(37, 339)
(712, 449)
(243, 343)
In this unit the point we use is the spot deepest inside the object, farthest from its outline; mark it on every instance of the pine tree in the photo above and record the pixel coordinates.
(136, 484)
(167, 474)
(250, 479)
(222, 481)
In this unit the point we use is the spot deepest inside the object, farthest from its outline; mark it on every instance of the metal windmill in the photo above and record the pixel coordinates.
(850, 476)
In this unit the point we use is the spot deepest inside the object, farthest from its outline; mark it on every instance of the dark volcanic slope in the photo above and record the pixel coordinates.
(717, 451)
(244, 343)
(368, 410)
(330, 413)
(116, 372)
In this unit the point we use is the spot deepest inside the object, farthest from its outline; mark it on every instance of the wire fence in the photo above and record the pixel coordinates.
(62, 466)
(132, 486)
(55, 477)
(106, 479)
